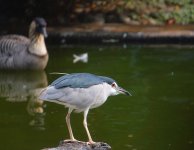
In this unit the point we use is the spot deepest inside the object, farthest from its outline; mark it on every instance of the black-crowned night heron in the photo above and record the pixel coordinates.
(81, 92)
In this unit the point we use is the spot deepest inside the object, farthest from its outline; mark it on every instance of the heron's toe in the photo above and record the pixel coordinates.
(91, 142)
(70, 140)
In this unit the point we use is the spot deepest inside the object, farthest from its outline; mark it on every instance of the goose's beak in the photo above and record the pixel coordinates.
(42, 30)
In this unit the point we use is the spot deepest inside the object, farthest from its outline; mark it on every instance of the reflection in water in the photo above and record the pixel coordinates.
(19, 86)
(35, 109)
(25, 86)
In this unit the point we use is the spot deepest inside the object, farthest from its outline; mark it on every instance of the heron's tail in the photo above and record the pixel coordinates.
(41, 95)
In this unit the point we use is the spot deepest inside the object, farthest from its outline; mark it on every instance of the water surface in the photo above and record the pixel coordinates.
(159, 115)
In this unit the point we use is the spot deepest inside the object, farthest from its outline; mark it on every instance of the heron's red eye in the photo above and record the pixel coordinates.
(113, 85)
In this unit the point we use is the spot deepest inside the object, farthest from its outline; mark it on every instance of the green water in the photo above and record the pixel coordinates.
(159, 115)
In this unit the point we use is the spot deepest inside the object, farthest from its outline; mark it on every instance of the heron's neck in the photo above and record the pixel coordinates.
(37, 45)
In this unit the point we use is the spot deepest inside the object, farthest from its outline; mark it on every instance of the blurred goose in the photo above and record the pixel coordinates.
(19, 52)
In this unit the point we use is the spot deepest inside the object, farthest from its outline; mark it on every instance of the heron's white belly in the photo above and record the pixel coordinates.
(82, 98)
(77, 98)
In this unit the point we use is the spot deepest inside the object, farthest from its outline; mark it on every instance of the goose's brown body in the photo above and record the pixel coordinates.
(19, 52)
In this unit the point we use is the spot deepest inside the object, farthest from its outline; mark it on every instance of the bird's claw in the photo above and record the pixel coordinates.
(90, 142)
(74, 140)
(70, 140)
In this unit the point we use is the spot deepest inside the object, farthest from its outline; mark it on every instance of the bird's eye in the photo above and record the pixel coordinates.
(113, 84)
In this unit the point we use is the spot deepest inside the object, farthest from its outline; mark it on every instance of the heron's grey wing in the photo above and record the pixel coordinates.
(66, 96)
(77, 80)
(11, 46)
(76, 98)
(51, 93)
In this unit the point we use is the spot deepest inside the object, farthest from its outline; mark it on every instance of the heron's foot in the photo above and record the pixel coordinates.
(91, 142)
(69, 140)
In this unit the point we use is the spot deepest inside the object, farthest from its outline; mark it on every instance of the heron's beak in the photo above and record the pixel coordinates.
(123, 91)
